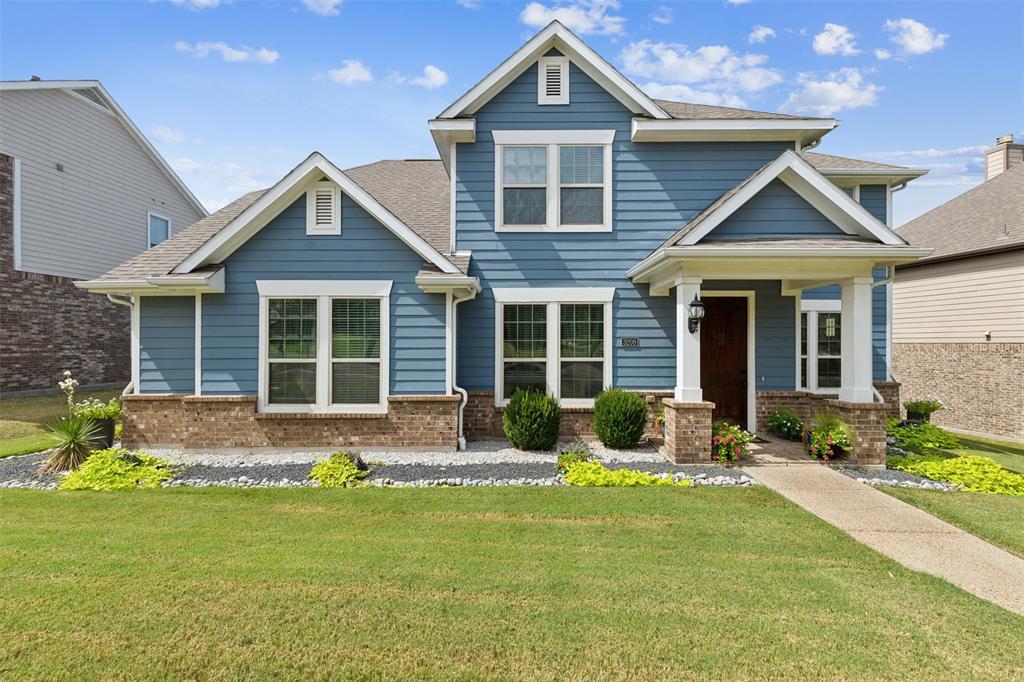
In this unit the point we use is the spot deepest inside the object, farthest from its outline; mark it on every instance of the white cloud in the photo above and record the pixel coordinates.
(760, 34)
(882, 54)
(470, 4)
(325, 8)
(715, 68)
(586, 17)
(168, 135)
(431, 79)
(662, 15)
(835, 39)
(229, 54)
(218, 184)
(738, 2)
(352, 71)
(929, 153)
(196, 5)
(684, 93)
(913, 37)
(843, 89)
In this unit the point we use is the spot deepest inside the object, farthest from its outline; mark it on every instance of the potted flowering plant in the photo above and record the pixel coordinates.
(786, 424)
(729, 442)
(830, 438)
(921, 410)
(103, 414)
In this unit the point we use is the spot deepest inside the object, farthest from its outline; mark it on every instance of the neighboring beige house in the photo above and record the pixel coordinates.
(958, 315)
(81, 189)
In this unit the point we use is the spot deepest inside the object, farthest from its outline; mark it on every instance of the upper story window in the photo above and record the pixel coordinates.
(159, 229)
(553, 80)
(553, 181)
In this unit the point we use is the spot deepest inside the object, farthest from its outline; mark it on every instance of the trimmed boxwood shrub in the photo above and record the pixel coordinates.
(619, 418)
(531, 420)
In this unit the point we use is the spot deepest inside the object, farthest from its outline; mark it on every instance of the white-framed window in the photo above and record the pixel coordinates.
(159, 228)
(323, 209)
(553, 80)
(324, 345)
(553, 181)
(553, 340)
(819, 346)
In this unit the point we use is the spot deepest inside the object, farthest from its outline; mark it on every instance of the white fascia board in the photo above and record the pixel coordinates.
(846, 177)
(160, 284)
(449, 131)
(553, 136)
(554, 294)
(558, 36)
(376, 288)
(898, 253)
(46, 85)
(439, 284)
(803, 130)
(254, 218)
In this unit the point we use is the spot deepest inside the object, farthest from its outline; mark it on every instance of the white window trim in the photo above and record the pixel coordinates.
(552, 139)
(149, 227)
(324, 291)
(552, 298)
(542, 66)
(335, 227)
(814, 306)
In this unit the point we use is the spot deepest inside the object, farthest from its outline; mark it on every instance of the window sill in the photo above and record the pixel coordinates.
(321, 415)
(559, 229)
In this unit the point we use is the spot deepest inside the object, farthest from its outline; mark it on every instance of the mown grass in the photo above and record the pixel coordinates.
(996, 518)
(1009, 454)
(23, 420)
(476, 584)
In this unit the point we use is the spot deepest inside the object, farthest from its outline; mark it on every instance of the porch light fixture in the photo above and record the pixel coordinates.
(696, 313)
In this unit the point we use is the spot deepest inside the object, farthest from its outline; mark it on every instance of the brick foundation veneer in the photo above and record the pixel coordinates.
(232, 421)
(482, 420)
(687, 431)
(981, 384)
(806, 404)
(868, 422)
(47, 325)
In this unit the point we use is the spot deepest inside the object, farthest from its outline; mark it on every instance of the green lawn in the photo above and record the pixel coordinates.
(23, 420)
(500, 583)
(1009, 455)
(996, 518)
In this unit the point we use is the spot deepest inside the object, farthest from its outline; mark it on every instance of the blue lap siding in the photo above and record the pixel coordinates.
(167, 342)
(776, 212)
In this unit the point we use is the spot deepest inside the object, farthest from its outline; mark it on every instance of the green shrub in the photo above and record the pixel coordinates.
(786, 424)
(75, 438)
(340, 470)
(974, 473)
(620, 418)
(923, 438)
(831, 437)
(595, 474)
(922, 408)
(97, 409)
(531, 420)
(577, 452)
(118, 469)
(729, 442)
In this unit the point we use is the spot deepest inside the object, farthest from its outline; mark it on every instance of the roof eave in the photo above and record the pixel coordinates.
(873, 175)
(804, 131)
(166, 285)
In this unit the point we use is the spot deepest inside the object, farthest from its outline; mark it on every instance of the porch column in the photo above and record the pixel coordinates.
(687, 344)
(856, 341)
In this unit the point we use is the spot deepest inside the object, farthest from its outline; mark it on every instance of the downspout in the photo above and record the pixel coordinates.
(126, 301)
(455, 344)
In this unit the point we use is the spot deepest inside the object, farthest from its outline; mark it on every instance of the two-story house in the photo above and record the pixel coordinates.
(575, 234)
(81, 190)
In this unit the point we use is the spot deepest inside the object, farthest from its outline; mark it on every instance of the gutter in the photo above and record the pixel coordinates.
(125, 301)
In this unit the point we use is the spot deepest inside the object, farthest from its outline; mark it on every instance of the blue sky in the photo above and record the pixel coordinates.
(236, 93)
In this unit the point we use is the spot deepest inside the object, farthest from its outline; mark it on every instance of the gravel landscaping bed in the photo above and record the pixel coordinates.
(893, 477)
(22, 471)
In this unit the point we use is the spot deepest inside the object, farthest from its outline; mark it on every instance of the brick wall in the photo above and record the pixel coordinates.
(868, 422)
(232, 421)
(981, 384)
(47, 325)
(806, 404)
(687, 431)
(482, 420)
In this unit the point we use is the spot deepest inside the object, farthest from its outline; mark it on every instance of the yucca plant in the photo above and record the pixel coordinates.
(75, 438)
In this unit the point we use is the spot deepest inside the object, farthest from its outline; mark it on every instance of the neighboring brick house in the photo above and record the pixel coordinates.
(562, 242)
(958, 315)
(81, 189)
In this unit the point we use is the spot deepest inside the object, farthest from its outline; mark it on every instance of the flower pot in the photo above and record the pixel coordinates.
(919, 416)
(106, 435)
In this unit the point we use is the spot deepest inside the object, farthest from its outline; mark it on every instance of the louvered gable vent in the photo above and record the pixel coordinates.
(553, 80)
(323, 209)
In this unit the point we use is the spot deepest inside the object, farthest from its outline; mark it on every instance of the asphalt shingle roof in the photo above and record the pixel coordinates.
(691, 111)
(819, 161)
(989, 216)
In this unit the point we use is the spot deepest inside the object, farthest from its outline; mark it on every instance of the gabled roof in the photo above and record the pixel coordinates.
(687, 111)
(94, 92)
(988, 217)
(856, 170)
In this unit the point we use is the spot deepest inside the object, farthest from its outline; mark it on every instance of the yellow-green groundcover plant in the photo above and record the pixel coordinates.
(117, 469)
(595, 474)
(974, 473)
(338, 471)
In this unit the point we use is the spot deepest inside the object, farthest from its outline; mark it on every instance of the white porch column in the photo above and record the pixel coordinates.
(687, 344)
(856, 385)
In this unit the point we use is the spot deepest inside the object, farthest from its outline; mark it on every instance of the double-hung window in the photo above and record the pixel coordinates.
(553, 340)
(820, 346)
(324, 346)
(553, 181)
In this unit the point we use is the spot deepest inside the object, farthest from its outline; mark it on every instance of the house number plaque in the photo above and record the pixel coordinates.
(629, 342)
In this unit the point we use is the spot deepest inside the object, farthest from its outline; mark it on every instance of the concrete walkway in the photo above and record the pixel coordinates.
(900, 531)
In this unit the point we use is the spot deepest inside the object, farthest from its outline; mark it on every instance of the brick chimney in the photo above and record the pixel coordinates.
(1002, 156)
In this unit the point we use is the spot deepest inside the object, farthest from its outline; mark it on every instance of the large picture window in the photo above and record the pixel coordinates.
(821, 346)
(560, 347)
(553, 180)
(324, 352)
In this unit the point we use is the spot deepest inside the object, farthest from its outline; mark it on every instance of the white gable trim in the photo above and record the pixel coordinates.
(287, 190)
(558, 36)
(813, 187)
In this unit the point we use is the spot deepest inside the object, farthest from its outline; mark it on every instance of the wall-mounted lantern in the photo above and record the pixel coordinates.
(696, 313)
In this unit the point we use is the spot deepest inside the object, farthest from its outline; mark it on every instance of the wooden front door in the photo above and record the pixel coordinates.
(723, 357)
